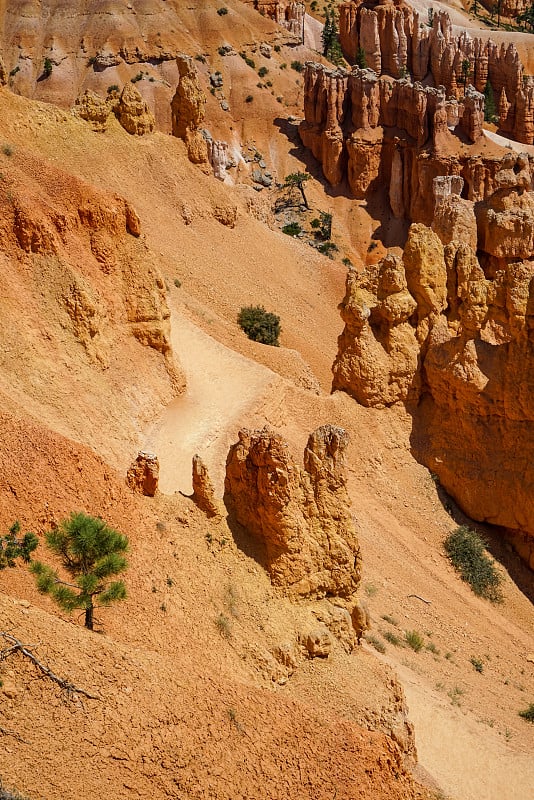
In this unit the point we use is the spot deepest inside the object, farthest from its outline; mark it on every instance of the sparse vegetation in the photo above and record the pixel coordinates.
(113, 87)
(91, 553)
(7, 150)
(528, 713)
(177, 282)
(292, 229)
(249, 98)
(223, 626)
(297, 180)
(47, 68)
(477, 663)
(431, 647)
(260, 325)
(14, 71)
(360, 59)
(222, 11)
(328, 249)
(392, 638)
(455, 694)
(414, 640)
(262, 72)
(371, 589)
(200, 57)
(375, 642)
(467, 553)
(298, 66)
(137, 78)
(391, 619)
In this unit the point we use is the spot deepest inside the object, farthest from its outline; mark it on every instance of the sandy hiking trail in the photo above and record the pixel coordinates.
(221, 386)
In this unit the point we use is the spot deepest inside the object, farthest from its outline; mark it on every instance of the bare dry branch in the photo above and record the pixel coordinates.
(428, 602)
(17, 646)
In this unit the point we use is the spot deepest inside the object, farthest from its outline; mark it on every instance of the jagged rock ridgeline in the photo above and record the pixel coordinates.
(397, 136)
(453, 337)
(300, 516)
(395, 42)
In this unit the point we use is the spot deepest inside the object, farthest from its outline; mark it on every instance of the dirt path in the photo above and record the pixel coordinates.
(468, 761)
(221, 385)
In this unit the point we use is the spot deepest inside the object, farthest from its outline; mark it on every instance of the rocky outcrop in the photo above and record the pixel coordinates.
(93, 109)
(188, 110)
(143, 475)
(300, 517)
(218, 158)
(133, 112)
(397, 137)
(396, 42)
(203, 493)
(452, 336)
(289, 15)
(454, 218)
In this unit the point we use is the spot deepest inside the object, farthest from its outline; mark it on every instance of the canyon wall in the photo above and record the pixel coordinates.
(395, 41)
(452, 335)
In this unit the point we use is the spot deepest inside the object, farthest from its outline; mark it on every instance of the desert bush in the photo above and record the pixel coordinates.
(376, 643)
(292, 229)
(467, 552)
(528, 713)
(223, 625)
(262, 72)
(259, 325)
(477, 663)
(414, 640)
(113, 87)
(249, 98)
(328, 249)
(298, 66)
(392, 638)
(222, 11)
(47, 68)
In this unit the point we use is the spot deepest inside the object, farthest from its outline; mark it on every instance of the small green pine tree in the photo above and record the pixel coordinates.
(91, 552)
(361, 60)
(490, 110)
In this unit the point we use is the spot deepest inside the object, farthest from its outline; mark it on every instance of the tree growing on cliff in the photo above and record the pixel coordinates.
(13, 546)
(92, 553)
(296, 180)
(526, 18)
(490, 110)
(466, 72)
(360, 59)
(330, 37)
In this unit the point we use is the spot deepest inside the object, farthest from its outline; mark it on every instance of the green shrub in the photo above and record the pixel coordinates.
(391, 619)
(262, 72)
(259, 325)
(137, 78)
(249, 98)
(376, 643)
(223, 626)
(467, 553)
(201, 58)
(292, 229)
(177, 282)
(222, 11)
(414, 640)
(113, 87)
(277, 48)
(47, 68)
(477, 663)
(392, 638)
(328, 249)
(528, 713)
(298, 66)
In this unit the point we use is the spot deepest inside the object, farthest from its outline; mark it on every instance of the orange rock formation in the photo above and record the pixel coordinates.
(301, 516)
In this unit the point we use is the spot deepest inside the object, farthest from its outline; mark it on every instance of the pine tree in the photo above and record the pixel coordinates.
(296, 180)
(361, 60)
(490, 110)
(327, 31)
(330, 37)
(91, 553)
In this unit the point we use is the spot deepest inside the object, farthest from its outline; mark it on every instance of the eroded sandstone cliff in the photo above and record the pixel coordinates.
(301, 516)
(452, 335)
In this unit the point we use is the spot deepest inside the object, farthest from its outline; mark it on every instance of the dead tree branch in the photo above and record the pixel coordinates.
(17, 646)
(418, 596)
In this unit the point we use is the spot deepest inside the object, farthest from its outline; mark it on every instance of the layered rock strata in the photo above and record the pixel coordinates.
(396, 42)
(452, 335)
(300, 516)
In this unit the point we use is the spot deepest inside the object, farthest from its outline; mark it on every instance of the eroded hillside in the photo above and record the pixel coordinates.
(125, 266)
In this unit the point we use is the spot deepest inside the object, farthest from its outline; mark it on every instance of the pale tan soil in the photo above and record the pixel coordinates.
(185, 712)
